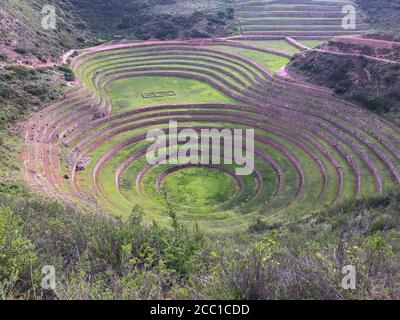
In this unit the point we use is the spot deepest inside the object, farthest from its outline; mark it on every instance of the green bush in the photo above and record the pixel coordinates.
(83, 246)
(68, 73)
(100, 257)
(17, 253)
(23, 89)
(3, 56)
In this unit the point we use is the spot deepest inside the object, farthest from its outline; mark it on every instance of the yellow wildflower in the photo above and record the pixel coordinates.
(214, 254)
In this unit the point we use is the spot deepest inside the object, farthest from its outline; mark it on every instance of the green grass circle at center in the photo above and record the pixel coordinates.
(198, 187)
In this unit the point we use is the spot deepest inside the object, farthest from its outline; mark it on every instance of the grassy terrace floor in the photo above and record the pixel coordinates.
(280, 45)
(127, 94)
(311, 149)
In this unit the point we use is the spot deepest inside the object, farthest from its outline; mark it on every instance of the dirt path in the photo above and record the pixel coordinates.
(356, 55)
(113, 46)
(367, 41)
(36, 64)
(296, 44)
(67, 55)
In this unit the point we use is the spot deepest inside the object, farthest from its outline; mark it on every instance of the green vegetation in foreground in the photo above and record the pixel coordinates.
(102, 258)
(193, 187)
(271, 62)
(126, 94)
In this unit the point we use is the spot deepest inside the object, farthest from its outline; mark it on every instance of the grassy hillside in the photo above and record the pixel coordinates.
(382, 15)
(373, 83)
(82, 23)
(77, 192)
(23, 39)
(102, 258)
(22, 92)
(161, 19)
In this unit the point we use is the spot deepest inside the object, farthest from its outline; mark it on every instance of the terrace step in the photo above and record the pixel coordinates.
(309, 143)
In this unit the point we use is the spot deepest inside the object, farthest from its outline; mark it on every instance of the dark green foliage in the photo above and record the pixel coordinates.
(68, 73)
(195, 33)
(304, 260)
(34, 41)
(373, 84)
(377, 104)
(22, 90)
(85, 247)
(83, 23)
(381, 14)
(8, 189)
(3, 57)
(143, 19)
(100, 257)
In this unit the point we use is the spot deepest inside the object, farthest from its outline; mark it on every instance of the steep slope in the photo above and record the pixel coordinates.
(161, 19)
(24, 40)
(81, 23)
(366, 71)
(382, 15)
(23, 91)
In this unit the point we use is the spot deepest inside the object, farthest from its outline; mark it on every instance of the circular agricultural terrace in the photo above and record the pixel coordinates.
(312, 149)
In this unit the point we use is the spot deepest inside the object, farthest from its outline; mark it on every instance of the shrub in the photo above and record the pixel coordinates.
(250, 275)
(343, 86)
(195, 33)
(36, 90)
(68, 73)
(16, 251)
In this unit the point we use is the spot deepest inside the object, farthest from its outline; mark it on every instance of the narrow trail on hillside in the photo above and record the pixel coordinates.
(357, 39)
(355, 55)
